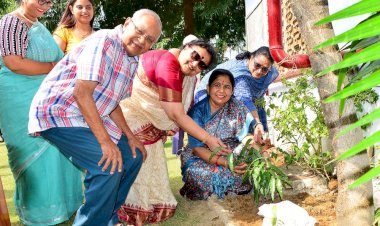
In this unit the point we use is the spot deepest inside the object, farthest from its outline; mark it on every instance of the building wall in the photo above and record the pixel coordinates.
(256, 25)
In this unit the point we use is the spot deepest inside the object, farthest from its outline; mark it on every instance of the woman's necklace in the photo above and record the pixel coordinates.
(85, 34)
(22, 14)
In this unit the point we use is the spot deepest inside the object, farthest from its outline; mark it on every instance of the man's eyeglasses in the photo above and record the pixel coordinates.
(45, 2)
(196, 57)
(259, 66)
(141, 33)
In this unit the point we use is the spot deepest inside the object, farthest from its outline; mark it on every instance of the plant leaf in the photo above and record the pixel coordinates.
(368, 69)
(368, 54)
(366, 177)
(365, 43)
(213, 153)
(364, 84)
(272, 186)
(368, 28)
(367, 142)
(362, 7)
(279, 188)
(374, 115)
(341, 106)
(341, 76)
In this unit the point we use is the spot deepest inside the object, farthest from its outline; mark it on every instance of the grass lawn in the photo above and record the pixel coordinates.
(183, 209)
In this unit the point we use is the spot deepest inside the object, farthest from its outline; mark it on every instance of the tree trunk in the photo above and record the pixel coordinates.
(188, 11)
(354, 206)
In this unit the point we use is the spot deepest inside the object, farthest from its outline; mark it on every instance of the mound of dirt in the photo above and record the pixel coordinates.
(242, 210)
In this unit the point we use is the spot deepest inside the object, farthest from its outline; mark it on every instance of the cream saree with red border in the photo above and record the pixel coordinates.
(150, 199)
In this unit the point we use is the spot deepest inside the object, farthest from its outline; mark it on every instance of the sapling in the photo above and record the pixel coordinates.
(265, 177)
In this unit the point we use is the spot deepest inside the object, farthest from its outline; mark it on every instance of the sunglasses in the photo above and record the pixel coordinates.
(259, 66)
(45, 2)
(196, 57)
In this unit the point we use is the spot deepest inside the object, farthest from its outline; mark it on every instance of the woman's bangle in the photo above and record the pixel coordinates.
(205, 138)
(258, 123)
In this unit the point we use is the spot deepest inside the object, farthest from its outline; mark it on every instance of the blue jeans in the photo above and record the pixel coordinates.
(104, 193)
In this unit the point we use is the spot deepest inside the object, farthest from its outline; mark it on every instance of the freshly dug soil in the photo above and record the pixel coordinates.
(242, 211)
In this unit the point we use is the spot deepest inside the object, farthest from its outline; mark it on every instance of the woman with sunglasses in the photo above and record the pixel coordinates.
(253, 73)
(161, 95)
(48, 187)
(75, 25)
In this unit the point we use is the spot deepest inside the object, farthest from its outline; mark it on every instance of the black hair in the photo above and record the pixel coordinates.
(221, 72)
(263, 50)
(205, 45)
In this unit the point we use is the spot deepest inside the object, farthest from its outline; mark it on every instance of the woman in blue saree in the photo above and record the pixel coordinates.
(228, 119)
(48, 187)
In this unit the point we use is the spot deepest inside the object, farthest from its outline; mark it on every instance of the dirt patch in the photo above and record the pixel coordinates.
(242, 211)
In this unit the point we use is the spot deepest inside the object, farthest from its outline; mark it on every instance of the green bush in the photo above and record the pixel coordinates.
(304, 134)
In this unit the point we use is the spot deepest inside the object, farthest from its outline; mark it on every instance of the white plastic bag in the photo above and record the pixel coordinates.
(285, 213)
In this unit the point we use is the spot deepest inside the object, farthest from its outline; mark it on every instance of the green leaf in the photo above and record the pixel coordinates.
(213, 153)
(366, 177)
(272, 186)
(367, 142)
(374, 115)
(342, 75)
(366, 29)
(364, 84)
(341, 106)
(245, 148)
(278, 171)
(368, 54)
(279, 188)
(230, 160)
(365, 43)
(366, 70)
(246, 176)
(362, 7)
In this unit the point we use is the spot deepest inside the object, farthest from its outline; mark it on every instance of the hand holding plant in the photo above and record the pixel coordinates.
(266, 178)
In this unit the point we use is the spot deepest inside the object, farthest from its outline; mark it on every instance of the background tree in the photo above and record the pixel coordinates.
(6, 6)
(220, 20)
(209, 19)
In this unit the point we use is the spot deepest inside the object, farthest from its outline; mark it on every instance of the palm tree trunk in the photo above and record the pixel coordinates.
(354, 206)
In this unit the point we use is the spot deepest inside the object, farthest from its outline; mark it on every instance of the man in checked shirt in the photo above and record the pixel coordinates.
(77, 109)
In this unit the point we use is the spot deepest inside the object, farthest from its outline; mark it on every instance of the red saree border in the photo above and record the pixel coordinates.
(136, 215)
(148, 134)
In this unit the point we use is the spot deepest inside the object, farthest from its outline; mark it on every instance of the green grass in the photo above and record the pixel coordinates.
(181, 216)
(8, 183)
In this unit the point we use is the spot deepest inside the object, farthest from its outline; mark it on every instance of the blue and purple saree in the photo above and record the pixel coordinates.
(230, 124)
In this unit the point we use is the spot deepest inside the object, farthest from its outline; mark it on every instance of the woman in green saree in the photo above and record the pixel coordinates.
(48, 187)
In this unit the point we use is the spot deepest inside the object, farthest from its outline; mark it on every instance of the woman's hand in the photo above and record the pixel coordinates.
(258, 133)
(214, 143)
(241, 168)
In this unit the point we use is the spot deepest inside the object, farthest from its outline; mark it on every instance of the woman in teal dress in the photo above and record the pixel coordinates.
(48, 187)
